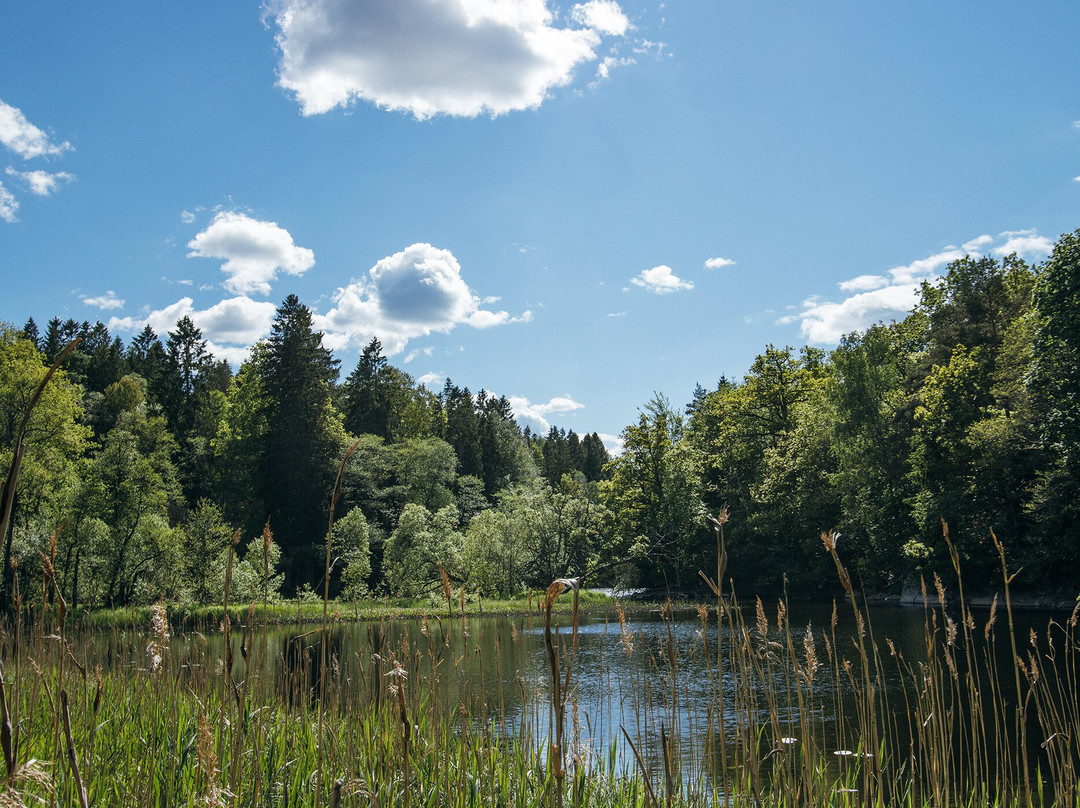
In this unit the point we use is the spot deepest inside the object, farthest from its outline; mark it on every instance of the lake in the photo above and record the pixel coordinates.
(936, 700)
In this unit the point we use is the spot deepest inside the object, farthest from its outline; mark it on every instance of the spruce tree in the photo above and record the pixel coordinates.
(303, 437)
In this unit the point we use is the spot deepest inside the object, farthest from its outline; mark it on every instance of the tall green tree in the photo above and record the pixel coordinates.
(654, 495)
(54, 443)
(304, 436)
(1054, 386)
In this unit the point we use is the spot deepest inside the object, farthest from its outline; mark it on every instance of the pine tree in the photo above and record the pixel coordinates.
(304, 433)
(368, 394)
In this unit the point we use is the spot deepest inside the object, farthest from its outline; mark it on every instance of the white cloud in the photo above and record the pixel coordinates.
(604, 16)
(661, 280)
(109, 300)
(429, 379)
(40, 182)
(454, 57)
(891, 296)
(613, 443)
(187, 217)
(863, 283)
(254, 251)
(616, 314)
(1025, 243)
(978, 244)
(25, 139)
(9, 205)
(409, 294)
(536, 415)
(428, 352)
(230, 326)
(607, 64)
(719, 263)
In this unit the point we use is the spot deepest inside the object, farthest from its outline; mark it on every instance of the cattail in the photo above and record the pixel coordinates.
(212, 792)
(940, 588)
(810, 650)
(159, 639)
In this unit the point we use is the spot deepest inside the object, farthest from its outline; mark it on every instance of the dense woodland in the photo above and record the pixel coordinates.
(146, 464)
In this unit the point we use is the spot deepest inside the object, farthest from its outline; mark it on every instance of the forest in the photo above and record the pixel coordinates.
(145, 465)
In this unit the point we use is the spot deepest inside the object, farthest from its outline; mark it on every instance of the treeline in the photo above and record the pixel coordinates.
(145, 462)
(967, 411)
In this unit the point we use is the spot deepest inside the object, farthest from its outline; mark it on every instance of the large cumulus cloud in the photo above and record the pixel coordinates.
(406, 295)
(431, 57)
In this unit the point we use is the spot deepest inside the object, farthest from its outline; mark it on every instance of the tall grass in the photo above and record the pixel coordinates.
(751, 709)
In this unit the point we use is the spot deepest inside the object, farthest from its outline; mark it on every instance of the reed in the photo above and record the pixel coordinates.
(740, 712)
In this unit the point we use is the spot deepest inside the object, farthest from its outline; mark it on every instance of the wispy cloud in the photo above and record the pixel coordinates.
(9, 205)
(661, 280)
(456, 57)
(891, 295)
(105, 302)
(25, 139)
(254, 251)
(40, 182)
(1025, 243)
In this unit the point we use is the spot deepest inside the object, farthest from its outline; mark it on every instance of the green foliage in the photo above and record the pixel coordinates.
(419, 544)
(351, 544)
(654, 495)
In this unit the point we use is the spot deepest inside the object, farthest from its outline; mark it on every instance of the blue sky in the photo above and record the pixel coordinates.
(570, 204)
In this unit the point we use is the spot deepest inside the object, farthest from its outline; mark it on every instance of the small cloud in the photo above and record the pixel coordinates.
(25, 139)
(607, 64)
(613, 443)
(863, 283)
(253, 250)
(187, 217)
(978, 244)
(41, 183)
(536, 415)
(430, 380)
(1025, 243)
(719, 263)
(616, 314)
(9, 205)
(604, 16)
(428, 352)
(109, 300)
(661, 281)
